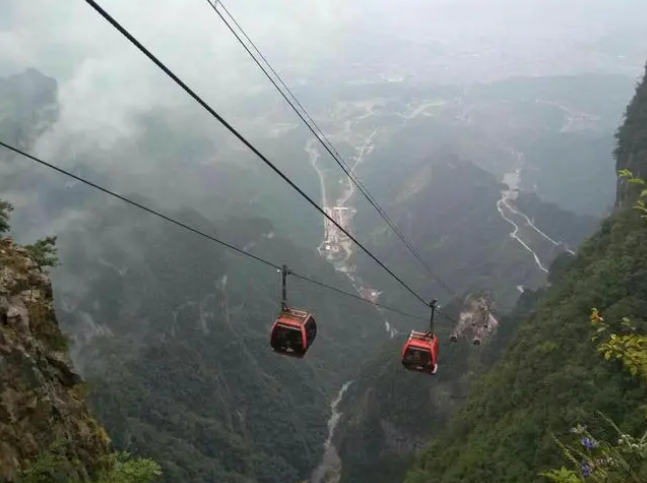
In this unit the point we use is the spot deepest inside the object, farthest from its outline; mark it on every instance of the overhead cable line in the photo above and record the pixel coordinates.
(320, 135)
(235, 132)
(200, 232)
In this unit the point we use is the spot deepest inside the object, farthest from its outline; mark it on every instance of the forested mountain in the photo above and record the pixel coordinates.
(47, 433)
(174, 338)
(171, 329)
(549, 377)
(448, 208)
(457, 230)
(389, 414)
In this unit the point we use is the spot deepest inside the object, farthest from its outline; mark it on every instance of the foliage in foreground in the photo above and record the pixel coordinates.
(601, 460)
(55, 467)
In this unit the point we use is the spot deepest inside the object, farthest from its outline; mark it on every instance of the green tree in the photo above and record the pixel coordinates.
(5, 209)
(44, 252)
(54, 466)
(123, 468)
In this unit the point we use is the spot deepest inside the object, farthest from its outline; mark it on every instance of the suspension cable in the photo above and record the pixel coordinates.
(200, 232)
(235, 132)
(320, 135)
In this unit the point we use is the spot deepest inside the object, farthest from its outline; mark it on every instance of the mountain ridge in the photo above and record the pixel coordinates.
(549, 377)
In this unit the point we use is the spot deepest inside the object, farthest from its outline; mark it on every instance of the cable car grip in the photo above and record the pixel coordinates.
(285, 271)
(433, 306)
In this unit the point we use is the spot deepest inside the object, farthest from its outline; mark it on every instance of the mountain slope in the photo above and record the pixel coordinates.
(28, 106)
(555, 221)
(172, 331)
(448, 209)
(549, 377)
(389, 414)
(459, 217)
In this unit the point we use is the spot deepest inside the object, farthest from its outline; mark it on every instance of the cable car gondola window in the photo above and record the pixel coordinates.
(290, 335)
(418, 355)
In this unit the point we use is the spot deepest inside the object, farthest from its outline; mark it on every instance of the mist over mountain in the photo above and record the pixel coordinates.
(487, 132)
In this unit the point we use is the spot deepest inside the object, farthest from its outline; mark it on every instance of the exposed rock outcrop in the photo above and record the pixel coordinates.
(41, 397)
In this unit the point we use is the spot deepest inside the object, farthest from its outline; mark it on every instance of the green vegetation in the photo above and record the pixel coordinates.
(5, 209)
(623, 459)
(606, 461)
(184, 372)
(392, 413)
(189, 378)
(617, 461)
(186, 375)
(630, 349)
(71, 459)
(640, 202)
(550, 377)
(54, 466)
(44, 252)
(446, 206)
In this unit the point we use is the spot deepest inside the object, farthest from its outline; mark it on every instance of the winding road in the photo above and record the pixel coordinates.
(506, 203)
(503, 202)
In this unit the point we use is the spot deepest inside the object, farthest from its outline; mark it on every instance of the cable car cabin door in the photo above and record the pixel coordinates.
(289, 339)
(418, 359)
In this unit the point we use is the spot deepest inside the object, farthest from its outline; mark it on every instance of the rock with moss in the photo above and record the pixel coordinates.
(41, 396)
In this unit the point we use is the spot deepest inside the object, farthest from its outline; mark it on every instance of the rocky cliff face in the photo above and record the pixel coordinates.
(41, 398)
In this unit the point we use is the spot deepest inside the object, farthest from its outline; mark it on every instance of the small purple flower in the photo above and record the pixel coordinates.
(588, 443)
(585, 467)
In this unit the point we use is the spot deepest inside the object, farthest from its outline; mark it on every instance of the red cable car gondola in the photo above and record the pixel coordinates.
(420, 351)
(294, 330)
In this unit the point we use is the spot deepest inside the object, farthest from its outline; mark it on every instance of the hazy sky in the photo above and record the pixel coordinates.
(103, 79)
(105, 83)
(69, 40)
